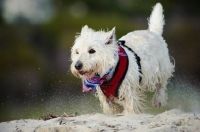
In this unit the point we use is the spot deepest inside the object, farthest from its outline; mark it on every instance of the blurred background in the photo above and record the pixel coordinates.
(35, 41)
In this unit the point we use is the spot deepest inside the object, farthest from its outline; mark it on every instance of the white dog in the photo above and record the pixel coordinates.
(122, 71)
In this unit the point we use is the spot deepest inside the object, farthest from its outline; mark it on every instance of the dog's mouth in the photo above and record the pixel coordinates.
(82, 72)
(87, 74)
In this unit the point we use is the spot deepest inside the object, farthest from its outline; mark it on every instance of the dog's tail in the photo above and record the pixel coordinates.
(156, 20)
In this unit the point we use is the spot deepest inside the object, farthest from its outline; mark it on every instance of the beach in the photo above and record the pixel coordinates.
(169, 121)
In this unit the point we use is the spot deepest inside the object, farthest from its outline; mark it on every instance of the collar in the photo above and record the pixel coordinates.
(92, 83)
(110, 88)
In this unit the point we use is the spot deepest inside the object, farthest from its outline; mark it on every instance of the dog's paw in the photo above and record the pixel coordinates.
(158, 101)
(157, 104)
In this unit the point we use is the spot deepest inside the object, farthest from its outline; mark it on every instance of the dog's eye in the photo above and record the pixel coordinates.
(91, 51)
(77, 52)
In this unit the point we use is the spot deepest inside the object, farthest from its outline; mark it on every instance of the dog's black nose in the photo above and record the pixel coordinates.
(78, 65)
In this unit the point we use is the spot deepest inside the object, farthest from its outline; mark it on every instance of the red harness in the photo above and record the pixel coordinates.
(110, 88)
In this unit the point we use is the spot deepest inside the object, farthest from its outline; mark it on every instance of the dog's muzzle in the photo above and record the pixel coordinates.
(79, 65)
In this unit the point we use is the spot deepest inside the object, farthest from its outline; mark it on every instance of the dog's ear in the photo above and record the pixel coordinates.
(111, 37)
(84, 29)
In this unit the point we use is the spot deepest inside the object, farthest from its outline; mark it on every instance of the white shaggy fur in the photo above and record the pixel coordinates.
(147, 44)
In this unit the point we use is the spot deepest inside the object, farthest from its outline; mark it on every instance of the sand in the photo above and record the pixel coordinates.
(169, 121)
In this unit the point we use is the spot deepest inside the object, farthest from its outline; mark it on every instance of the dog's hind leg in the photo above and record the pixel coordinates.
(160, 96)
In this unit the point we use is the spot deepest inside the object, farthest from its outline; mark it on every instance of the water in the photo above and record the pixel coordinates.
(182, 95)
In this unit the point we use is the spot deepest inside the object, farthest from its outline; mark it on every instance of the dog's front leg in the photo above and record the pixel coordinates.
(134, 101)
(109, 107)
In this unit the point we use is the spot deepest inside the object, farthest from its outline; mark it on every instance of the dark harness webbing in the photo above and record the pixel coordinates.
(110, 88)
(122, 42)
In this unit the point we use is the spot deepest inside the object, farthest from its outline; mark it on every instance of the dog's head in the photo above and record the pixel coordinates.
(94, 52)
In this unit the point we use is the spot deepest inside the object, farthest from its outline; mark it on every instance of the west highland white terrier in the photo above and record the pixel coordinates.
(122, 71)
